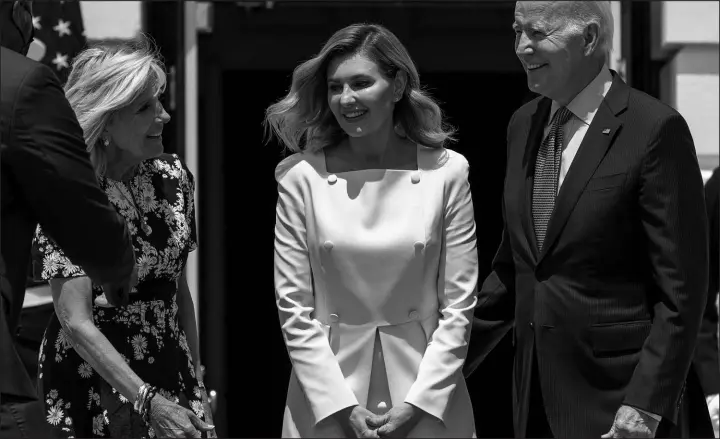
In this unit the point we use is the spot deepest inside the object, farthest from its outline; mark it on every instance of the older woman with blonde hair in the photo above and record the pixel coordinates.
(375, 248)
(128, 371)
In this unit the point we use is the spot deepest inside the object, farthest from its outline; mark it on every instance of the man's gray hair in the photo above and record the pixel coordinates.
(580, 14)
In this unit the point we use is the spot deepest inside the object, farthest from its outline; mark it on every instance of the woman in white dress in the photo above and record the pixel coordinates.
(375, 247)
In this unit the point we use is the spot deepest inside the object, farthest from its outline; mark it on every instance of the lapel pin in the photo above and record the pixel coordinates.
(606, 131)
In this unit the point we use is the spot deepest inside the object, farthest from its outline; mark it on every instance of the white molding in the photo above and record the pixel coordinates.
(191, 139)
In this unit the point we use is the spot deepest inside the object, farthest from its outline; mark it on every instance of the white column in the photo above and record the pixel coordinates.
(191, 139)
(616, 61)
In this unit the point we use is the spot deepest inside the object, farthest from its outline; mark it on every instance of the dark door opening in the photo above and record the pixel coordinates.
(259, 370)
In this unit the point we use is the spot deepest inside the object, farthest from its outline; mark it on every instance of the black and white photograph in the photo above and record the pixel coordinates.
(359, 219)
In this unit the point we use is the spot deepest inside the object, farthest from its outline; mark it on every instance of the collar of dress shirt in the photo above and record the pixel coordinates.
(586, 103)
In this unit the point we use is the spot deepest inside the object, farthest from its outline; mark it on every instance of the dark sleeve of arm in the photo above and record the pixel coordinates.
(495, 310)
(673, 216)
(706, 361)
(49, 161)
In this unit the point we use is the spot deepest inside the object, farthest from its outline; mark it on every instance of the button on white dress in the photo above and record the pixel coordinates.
(375, 277)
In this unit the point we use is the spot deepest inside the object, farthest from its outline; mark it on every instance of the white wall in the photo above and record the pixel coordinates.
(688, 22)
(695, 92)
(111, 19)
(690, 33)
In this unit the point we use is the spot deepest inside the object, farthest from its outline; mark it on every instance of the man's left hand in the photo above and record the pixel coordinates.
(397, 422)
(630, 422)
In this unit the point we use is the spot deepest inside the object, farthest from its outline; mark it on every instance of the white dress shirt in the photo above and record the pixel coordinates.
(583, 109)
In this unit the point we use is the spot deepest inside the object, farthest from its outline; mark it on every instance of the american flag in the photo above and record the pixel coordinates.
(59, 35)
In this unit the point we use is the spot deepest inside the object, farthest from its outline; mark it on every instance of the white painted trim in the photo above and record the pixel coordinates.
(191, 138)
(616, 61)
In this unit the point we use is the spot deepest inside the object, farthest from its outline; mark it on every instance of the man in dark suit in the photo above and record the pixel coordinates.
(706, 352)
(45, 177)
(601, 265)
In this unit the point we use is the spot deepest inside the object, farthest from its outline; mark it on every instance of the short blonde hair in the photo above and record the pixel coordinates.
(303, 120)
(107, 78)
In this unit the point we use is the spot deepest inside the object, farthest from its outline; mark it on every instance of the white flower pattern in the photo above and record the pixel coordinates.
(197, 407)
(158, 208)
(55, 415)
(139, 344)
(98, 422)
(84, 370)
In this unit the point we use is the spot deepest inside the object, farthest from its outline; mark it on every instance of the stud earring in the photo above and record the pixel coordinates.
(106, 141)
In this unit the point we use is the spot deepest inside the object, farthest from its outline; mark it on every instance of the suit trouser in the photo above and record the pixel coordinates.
(21, 418)
(537, 425)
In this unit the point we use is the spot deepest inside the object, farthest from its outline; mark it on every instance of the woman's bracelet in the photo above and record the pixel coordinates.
(140, 397)
(145, 411)
(142, 400)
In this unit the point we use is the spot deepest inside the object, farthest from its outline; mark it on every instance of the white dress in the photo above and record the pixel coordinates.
(375, 279)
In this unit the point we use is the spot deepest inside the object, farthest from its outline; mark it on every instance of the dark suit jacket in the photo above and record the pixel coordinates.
(612, 305)
(47, 178)
(706, 353)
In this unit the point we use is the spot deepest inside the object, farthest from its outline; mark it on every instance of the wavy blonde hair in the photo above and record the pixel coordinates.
(107, 78)
(303, 120)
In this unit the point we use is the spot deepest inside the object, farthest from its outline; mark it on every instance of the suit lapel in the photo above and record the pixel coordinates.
(532, 145)
(598, 139)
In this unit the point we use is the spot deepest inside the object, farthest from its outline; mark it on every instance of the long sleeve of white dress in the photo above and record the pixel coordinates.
(441, 366)
(313, 361)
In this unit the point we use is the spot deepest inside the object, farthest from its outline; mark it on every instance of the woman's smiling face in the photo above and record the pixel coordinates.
(360, 97)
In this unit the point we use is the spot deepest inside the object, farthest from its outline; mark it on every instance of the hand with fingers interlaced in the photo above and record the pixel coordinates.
(397, 422)
(354, 422)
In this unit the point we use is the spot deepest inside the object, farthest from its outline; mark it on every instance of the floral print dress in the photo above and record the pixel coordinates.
(158, 206)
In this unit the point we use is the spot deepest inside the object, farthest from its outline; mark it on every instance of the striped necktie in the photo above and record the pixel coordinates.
(547, 172)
